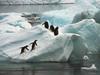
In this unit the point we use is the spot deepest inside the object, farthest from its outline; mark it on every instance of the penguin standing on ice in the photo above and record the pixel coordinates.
(52, 28)
(33, 45)
(23, 49)
(56, 32)
(46, 24)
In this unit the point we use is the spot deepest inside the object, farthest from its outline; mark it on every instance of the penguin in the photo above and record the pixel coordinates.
(33, 45)
(46, 24)
(23, 49)
(52, 28)
(56, 32)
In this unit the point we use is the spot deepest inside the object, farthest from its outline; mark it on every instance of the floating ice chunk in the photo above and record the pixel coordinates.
(86, 57)
(92, 67)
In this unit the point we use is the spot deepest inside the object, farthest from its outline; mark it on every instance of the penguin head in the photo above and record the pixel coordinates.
(26, 45)
(56, 28)
(45, 23)
(35, 40)
(52, 27)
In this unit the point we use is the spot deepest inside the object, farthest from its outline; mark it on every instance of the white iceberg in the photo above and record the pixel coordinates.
(50, 47)
(92, 67)
(89, 30)
(78, 35)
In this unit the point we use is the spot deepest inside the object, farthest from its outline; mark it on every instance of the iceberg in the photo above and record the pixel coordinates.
(79, 31)
(50, 47)
(89, 30)
(19, 33)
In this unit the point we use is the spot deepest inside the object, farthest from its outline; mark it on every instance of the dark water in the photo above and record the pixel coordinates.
(46, 68)
(43, 69)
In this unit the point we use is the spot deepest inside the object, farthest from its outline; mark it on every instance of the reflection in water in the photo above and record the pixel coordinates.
(45, 69)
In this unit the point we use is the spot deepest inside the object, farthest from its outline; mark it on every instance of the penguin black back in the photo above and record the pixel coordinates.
(33, 45)
(56, 32)
(52, 28)
(35, 42)
(23, 49)
(46, 24)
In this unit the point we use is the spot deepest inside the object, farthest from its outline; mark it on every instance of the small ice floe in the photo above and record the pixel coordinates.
(92, 67)
(93, 20)
(85, 57)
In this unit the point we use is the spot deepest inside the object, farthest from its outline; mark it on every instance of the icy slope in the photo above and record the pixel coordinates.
(12, 22)
(35, 1)
(50, 47)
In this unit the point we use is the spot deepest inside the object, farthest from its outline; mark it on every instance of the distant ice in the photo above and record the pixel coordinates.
(83, 9)
(13, 22)
(92, 67)
(35, 1)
